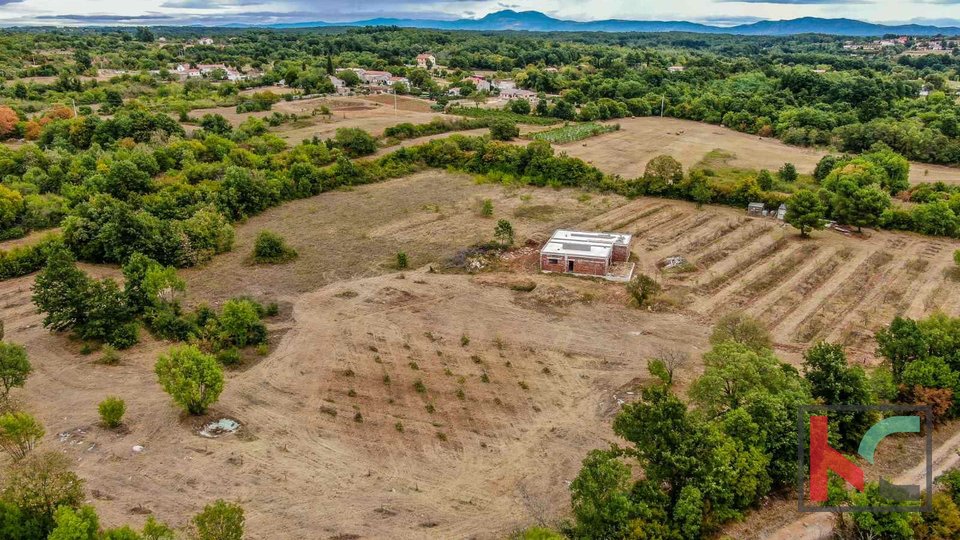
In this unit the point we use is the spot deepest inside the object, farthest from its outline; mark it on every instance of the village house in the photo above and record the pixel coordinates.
(376, 77)
(394, 80)
(482, 84)
(586, 253)
(519, 93)
(503, 84)
(205, 41)
(426, 61)
(676, 69)
(339, 86)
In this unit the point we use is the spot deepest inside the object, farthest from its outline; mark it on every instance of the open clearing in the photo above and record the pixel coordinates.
(337, 437)
(627, 151)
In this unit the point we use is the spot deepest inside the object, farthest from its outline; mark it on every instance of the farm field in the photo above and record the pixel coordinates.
(446, 405)
(626, 152)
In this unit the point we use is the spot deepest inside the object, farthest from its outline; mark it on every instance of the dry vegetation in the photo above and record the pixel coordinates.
(626, 151)
(421, 404)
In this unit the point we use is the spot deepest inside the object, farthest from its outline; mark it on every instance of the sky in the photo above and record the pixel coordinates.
(216, 12)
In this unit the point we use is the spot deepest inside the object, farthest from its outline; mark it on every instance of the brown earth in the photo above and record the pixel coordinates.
(627, 151)
(516, 386)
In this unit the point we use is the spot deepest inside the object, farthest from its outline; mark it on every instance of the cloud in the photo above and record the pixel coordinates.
(800, 2)
(208, 4)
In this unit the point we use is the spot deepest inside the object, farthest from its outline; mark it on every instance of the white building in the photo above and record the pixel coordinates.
(676, 69)
(394, 80)
(426, 61)
(482, 84)
(205, 41)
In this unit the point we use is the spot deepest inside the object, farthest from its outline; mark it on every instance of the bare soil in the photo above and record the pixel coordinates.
(626, 152)
(339, 439)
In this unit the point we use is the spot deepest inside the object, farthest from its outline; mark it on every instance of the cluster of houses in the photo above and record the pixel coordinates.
(506, 88)
(935, 45)
(205, 70)
(876, 45)
(375, 82)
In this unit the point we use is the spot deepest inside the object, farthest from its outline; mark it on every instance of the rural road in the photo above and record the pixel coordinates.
(819, 526)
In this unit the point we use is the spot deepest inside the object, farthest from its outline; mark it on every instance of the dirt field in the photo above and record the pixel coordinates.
(338, 437)
(627, 151)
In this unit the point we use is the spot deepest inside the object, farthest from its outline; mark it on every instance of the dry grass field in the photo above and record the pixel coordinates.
(627, 151)
(435, 405)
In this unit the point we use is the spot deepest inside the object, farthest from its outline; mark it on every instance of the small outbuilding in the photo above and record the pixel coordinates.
(587, 253)
(756, 209)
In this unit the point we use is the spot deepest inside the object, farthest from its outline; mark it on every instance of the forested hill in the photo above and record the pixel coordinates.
(539, 22)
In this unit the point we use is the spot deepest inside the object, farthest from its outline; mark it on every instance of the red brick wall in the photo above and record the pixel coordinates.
(621, 253)
(547, 267)
(580, 266)
(589, 266)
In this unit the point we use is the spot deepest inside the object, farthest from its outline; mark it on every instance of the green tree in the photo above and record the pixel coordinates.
(788, 173)
(60, 290)
(216, 123)
(700, 190)
(519, 106)
(19, 434)
(805, 211)
(833, 382)
(193, 379)
(663, 169)
(765, 180)
(220, 520)
(14, 368)
(503, 232)
(503, 130)
(41, 483)
(155, 530)
(601, 496)
(733, 373)
(79, 524)
(355, 142)
(901, 343)
(868, 205)
(240, 323)
(111, 411)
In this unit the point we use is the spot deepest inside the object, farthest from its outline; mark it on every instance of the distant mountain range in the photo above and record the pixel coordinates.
(538, 22)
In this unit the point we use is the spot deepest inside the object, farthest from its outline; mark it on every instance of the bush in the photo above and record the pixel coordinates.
(355, 142)
(402, 261)
(642, 288)
(229, 356)
(111, 411)
(110, 356)
(19, 434)
(220, 521)
(503, 130)
(271, 248)
(240, 323)
(486, 208)
(193, 379)
(14, 368)
(503, 232)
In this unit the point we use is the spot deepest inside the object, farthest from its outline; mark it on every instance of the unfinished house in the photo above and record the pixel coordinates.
(588, 253)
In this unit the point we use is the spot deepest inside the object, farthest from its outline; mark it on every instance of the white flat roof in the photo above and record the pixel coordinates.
(598, 245)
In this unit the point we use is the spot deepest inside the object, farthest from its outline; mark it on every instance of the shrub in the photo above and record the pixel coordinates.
(788, 173)
(220, 521)
(402, 261)
(193, 379)
(486, 208)
(14, 368)
(111, 411)
(956, 257)
(19, 434)
(355, 142)
(240, 323)
(229, 356)
(503, 130)
(642, 288)
(110, 356)
(271, 248)
(503, 232)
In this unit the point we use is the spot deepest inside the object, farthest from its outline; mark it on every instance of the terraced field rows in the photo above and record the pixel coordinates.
(831, 287)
